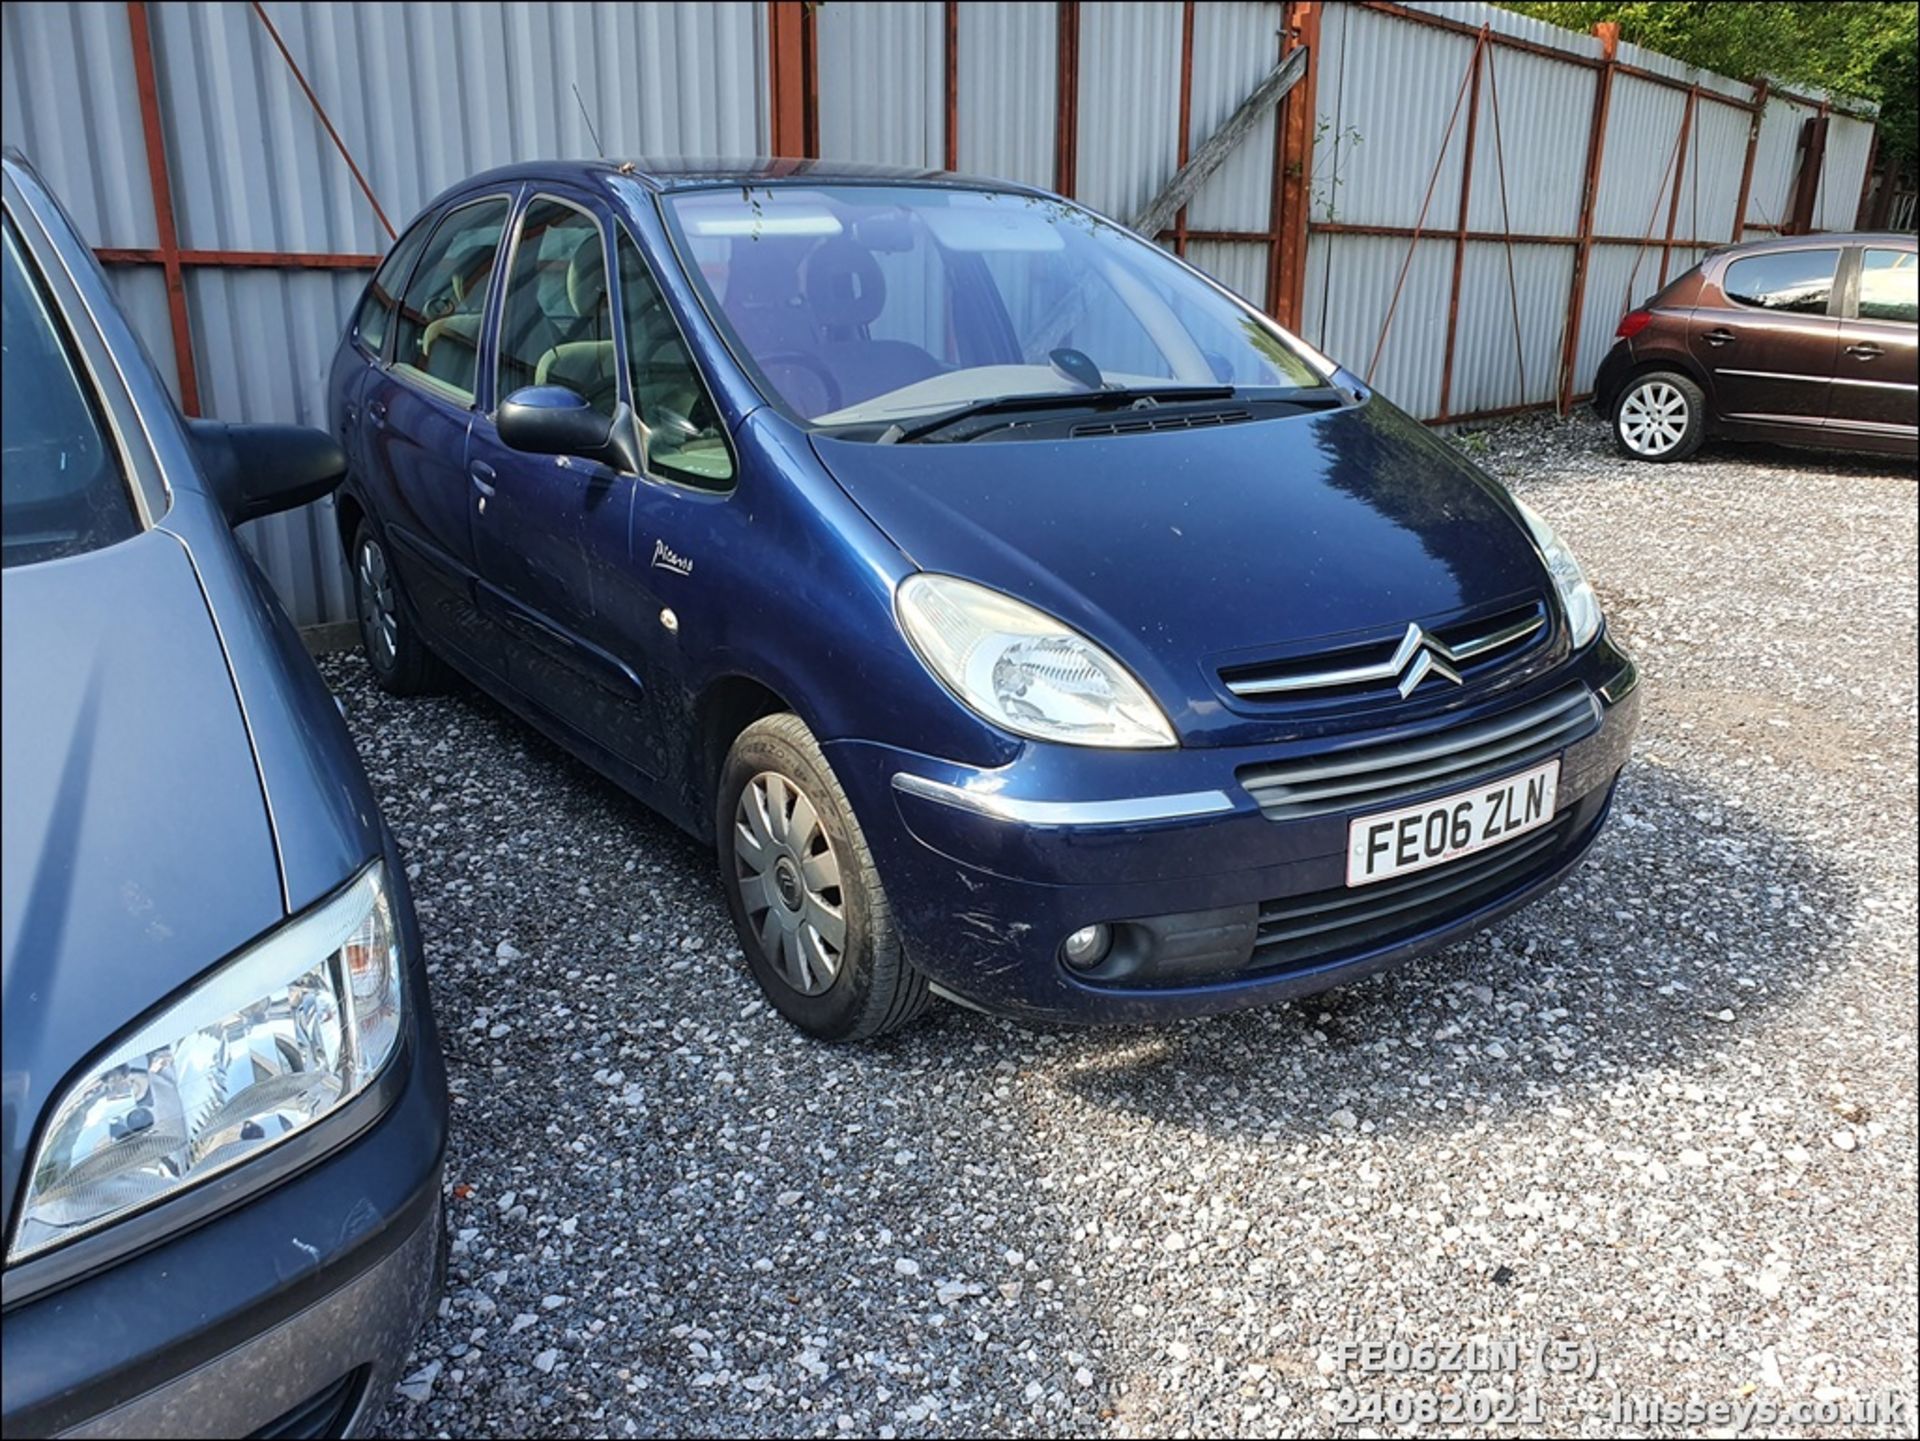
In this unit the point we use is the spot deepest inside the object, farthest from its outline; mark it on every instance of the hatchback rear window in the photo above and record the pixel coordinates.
(61, 491)
(1797, 281)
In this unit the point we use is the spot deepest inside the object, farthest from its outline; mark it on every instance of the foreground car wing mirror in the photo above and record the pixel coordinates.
(256, 470)
(553, 420)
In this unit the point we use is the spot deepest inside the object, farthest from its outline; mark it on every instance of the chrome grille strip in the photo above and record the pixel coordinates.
(1327, 679)
(1422, 649)
(1480, 645)
(1380, 775)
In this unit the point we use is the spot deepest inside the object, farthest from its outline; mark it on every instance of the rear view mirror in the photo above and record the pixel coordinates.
(553, 420)
(256, 470)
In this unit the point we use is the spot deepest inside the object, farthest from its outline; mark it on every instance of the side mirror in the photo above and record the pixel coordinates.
(256, 470)
(553, 420)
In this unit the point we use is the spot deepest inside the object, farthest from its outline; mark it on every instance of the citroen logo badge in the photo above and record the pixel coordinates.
(1418, 657)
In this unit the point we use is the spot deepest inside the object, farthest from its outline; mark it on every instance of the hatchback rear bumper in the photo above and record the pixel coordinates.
(1214, 906)
(1611, 378)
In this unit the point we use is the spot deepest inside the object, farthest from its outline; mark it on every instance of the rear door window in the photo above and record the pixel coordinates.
(1799, 282)
(1890, 286)
(437, 333)
(376, 307)
(62, 491)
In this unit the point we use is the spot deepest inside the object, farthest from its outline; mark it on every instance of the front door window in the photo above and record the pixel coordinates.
(556, 326)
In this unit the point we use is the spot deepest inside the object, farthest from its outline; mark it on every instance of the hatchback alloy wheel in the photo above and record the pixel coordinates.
(790, 882)
(1654, 418)
(1662, 417)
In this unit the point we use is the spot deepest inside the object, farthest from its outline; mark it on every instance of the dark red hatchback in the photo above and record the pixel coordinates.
(1803, 340)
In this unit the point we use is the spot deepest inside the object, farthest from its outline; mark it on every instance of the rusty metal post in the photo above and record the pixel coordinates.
(260, 12)
(1679, 174)
(1066, 96)
(952, 57)
(1609, 33)
(162, 187)
(1420, 222)
(1806, 187)
(1292, 194)
(793, 79)
(1746, 170)
(1866, 179)
(1460, 231)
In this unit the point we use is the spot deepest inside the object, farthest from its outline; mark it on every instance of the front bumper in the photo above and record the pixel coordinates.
(1171, 844)
(288, 1314)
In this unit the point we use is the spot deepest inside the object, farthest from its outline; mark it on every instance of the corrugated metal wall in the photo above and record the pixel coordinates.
(425, 94)
(1387, 86)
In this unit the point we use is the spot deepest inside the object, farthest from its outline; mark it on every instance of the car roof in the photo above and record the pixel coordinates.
(1816, 240)
(666, 174)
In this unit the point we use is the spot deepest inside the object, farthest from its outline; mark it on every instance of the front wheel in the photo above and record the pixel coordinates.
(805, 897)
(1661, 417)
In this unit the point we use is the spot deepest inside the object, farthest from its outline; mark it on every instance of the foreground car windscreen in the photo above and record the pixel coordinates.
(62, 492)
(863, 305)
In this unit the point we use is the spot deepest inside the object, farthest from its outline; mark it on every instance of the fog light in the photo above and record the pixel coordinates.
(1087, 947)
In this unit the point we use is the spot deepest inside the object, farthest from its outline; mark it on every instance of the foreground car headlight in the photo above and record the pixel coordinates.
(1576, 596)
(1025, 671)
(289, 1030)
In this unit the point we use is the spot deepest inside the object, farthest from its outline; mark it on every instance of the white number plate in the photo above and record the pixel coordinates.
(1392, 843)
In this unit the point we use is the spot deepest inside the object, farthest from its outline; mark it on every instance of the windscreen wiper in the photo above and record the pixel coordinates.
(1118, 399)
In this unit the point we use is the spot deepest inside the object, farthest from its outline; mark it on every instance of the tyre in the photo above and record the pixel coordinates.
(806, 899)
(398, 657)
(1660, 417)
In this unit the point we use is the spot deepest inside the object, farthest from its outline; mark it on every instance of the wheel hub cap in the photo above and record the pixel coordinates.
(373, 583)
(790, 882)
(786, 875)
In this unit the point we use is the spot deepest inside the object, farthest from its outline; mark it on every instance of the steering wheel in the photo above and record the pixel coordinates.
(810, 363)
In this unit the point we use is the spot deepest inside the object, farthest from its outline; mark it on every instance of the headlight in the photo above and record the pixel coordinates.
(1576, 596)
(1023, 670)
(286, 1032)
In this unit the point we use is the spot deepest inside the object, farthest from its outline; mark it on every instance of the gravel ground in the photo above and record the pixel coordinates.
(1659, 1128)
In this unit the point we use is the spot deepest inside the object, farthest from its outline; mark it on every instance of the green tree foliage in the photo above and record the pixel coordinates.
(1861, 48)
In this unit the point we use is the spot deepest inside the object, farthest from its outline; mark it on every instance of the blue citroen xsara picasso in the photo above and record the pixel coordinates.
(1026, 618)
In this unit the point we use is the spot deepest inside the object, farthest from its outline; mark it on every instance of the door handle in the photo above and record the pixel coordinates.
(377, 411)
(1719, 337)
(482, 476)
(1865, 350)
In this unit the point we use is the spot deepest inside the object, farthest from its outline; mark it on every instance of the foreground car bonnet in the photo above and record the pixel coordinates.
(137, 850)
(1176, 549)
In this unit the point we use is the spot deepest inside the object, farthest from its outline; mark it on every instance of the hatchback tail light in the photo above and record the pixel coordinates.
(1632, 323)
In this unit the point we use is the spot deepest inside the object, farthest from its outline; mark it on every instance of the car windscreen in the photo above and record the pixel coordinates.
(865, 305)
(61, 488)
